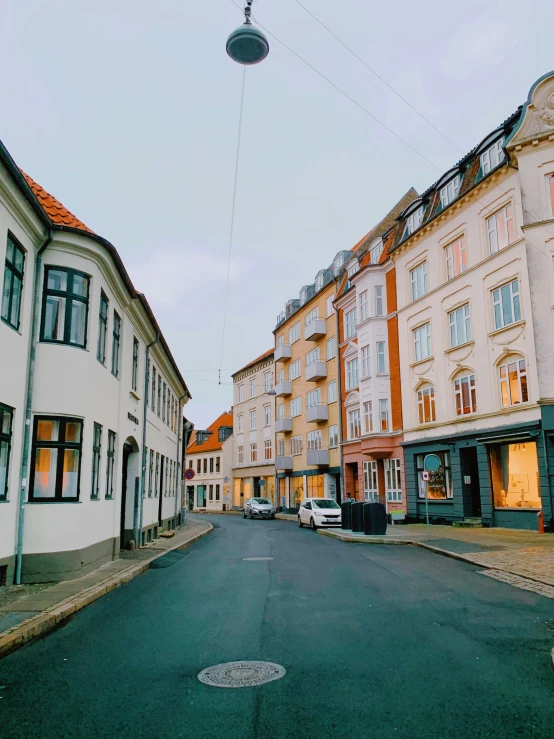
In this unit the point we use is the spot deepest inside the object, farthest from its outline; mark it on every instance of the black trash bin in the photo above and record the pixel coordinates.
(358, 518)
(346, 517)
(375, 519)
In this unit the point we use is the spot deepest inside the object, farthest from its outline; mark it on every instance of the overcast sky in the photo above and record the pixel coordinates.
(127, 112)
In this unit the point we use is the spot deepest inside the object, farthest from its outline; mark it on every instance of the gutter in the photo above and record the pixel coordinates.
(24, 469)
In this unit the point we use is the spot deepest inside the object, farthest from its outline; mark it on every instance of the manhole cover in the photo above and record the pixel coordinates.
(241, 674)
(257, 559)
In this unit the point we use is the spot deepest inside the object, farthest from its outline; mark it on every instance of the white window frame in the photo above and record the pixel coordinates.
(415, 220)
(365, 356)
(295, 370)
(280, 411)
(296, 446)
(428, 390)
(419, 281)
(521, 372)
(267, 415)
(331, 347)
(352, 375)
(314, 440)
(354, 424)
(363, 306)
(268, 378)
(379, 301)
(313, 398)
(252, 419)
(240, 396)
(422, 342)
(312, 316)
(393, 480)
(240, 455)
(459, 325)
(493, 156)
(450, 191)
(375, 253)
(253, 451)
(268, 451)
(515, 304)
(458, 393)
(459, 245)
(296, 407)
(332, 392)
(368, 417)
(329, 307)
(239, 422)
(350, 324)
(294, 333)
(550, 193)
(501, 223)
(253, 387)
(384, 420)
(371, 482)
(353, 269)
(333, 436)
(313, 356)
(381, 358)
(281, 447)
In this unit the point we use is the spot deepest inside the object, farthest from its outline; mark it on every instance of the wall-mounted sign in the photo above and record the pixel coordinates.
(132, 418)
(467, 480)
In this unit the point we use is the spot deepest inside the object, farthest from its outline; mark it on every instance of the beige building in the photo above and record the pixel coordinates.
(307, 390)
(208, 466)
(254, 431)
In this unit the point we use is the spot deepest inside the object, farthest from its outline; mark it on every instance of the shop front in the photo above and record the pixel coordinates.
(253, 482)
(498, 478)
(293, 488)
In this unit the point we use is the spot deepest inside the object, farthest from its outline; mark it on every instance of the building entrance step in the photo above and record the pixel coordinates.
(468, 523)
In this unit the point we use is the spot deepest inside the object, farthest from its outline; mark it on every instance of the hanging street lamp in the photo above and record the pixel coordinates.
(247, 45)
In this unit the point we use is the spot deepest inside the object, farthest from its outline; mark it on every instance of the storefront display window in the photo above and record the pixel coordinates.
(439, 486)
(315, 486)
(297, 491)
(515, 475)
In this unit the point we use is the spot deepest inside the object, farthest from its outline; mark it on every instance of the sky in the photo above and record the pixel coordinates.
(128, 113)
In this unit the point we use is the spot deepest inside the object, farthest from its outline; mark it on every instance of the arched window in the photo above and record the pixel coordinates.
(426, 404)
(465, 394)
(513, 381)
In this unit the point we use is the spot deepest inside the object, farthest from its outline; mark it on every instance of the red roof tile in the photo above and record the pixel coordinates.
(212, 443)
(55, 211)
(255, 361)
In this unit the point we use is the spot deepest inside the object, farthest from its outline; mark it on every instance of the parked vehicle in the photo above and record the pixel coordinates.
(319, 512)
(258, 508)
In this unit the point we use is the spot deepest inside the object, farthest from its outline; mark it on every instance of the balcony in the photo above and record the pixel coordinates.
(316, 371)
(317, 413)
(315, 330)
(283, 352)
(318, 457)
(283, 425)
(283, 463)
(283, 388)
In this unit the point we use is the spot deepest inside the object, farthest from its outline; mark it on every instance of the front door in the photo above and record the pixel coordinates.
(201, 496)
(127, 449)
(469, 469)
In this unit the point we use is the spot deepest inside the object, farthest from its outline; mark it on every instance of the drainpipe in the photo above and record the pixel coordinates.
(138, 524)
(341, 476)
(24, 470)
(180, 418)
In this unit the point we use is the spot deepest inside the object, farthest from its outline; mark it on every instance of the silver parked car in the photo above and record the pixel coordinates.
(258, 508)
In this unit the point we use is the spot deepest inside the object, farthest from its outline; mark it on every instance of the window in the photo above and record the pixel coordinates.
(363, 306)
(439, 486)
(333, 436)
(550, 193)
(281, 447)
(456, 258)
(506, 305)
(513, 383)
(281, 375)
(393, 480)
(460, 326)
(159, 410)
(371, 486)
(217, 492)
(153, 402)
(211, 465)
(294, 370)
(492, 156)
(205, 465)
(422, 342)
(296, 446)
(312, 316)
(240, 393)
(157, 477)
(449, 192)
(381, 358)
(172, 417)
(65, 307)
(96, 455)
(253, 452)
(354, 430)
(211, 492)
(295, 407)
(252, 387)
(353, 269)
(314, 440)
(240, 455)
(515, 475)
(198, 466)
(239, 422)
(253, 419)
(368, 417)
(415, 220)
(151, 472)
(331, 348)
(379, 304)
(384, 414)
(218, 464)
(464, 392)
(281, 411)
(268, 454)
(366, 370)
(267, 415)
(426, 404)
(56, 459)
(313, 398)
(134, 378)
(332, 392)
(102, 329)
(164, 402)
(501, 229)
(375, 253)
(418, 278)
(329, 308)
(116, 341)
(13, 283)
(352, 379)
(312, 356)
(6, 420)
(350, 323)
(268, 381)
(294, 333)
(280, 340)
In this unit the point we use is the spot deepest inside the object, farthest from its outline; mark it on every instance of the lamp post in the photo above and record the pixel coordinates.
(247, 44)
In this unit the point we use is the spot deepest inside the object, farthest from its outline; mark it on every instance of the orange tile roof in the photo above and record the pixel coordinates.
(212, 443)
(255, 361)
(55, 211)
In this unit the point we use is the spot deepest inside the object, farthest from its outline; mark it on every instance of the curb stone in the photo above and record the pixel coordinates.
(46, 621)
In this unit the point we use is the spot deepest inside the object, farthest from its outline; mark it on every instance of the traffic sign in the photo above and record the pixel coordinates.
(426, 476)
(189, 474)
(432, 462)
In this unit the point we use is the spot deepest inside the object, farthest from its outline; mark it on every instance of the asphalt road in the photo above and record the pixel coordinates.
(377, 642)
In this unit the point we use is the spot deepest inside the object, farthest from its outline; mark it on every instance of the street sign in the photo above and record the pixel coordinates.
(189, 474)
(432, 462)
(426, 476)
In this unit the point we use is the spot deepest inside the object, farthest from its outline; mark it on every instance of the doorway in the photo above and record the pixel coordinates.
(161, 498)
(201, 496)
(471, 489)
(129, 491)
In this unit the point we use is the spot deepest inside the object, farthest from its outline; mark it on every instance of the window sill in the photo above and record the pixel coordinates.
(497, 331)
(52, 500)
(423, 361)
(465, 345)
(381, 374)
(133, 394)
(10, 325)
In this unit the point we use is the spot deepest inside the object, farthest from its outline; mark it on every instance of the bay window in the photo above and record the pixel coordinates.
(354, 429)
(65, 307)
(352, 379)
(368, 417)
(350, 323)
(384, 414)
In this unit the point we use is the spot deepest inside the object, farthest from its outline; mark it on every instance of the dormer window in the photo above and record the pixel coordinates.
(450, 191)
(414, 220)
(493, 156)
(201, 437)
(339, 261)
(353, 269)
(319, 281)
(375, 253)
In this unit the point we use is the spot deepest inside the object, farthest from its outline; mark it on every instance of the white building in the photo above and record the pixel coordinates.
(77, 341)
(254, 424)
(208, 466)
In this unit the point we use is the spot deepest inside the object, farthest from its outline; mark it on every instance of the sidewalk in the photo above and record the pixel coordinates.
(27, 611)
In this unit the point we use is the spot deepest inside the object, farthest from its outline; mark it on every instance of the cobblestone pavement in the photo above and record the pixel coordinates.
(520, 582)
(532, 562)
